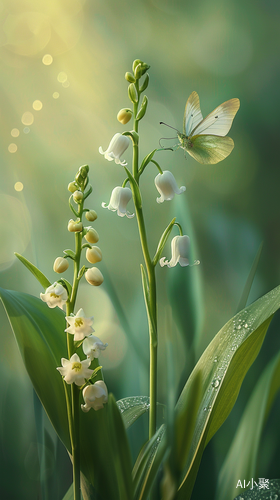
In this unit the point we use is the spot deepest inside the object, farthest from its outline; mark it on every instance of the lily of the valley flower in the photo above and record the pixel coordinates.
(55, 295)
(94, 276)
(119, 199)
(179, 250)
(117, 147)
(92, 346)
(80, 326)
(75, 226)
(167, 186)
(75, 370)
(60, 265)
(95, 396)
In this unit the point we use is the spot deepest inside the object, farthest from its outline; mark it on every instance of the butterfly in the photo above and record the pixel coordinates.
(204, 139)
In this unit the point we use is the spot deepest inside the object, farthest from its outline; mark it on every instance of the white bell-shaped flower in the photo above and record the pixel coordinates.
(167, 186)
(117, 147)
(55, 295)
(92, 346)
(95, 396)
(179, 251)
(119, 199)
(79, 325)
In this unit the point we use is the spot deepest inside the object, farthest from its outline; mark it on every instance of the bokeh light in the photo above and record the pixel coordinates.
(62, 77)
(18, 186)
(12, 148)
(37, 105)
(15, 132)
(55, 95)
(27, 118)
(47, 59)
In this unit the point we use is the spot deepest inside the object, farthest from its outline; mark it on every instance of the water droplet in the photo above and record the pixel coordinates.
(239, 327)
(246, 325)
(215, 383)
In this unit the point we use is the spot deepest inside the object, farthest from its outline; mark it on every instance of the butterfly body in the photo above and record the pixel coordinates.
(205, 139)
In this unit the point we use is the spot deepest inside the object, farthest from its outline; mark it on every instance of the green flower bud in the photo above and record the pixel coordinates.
(132, 93)
(91, 215)
(142, 110)
(124, 115)
(82, 176)
(72, 186)
(145, 83)
(140, 70)
(60, 265)
(129, 77)
(135, 63)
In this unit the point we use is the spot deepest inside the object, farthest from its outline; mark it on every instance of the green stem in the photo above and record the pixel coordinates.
(152, 285)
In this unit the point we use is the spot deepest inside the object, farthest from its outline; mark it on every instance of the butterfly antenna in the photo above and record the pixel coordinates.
(165, 139)
(162, 123)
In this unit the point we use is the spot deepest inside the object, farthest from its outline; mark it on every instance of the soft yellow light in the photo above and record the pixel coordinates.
(55, 95)
(62, 77)
(37, 105)
(15, 132)
(27, 118)
(18, 186)
(66, 84)
(47, 59)
(12, 148)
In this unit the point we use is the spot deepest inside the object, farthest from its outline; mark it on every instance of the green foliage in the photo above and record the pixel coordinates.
(241, 460)
(34, 270)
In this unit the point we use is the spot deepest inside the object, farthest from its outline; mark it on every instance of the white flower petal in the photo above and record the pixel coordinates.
(167, 186)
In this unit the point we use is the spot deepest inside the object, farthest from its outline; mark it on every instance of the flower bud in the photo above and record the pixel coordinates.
(91, 215)
(132, 93)
(92, 235)
(145, 83)
(135, 63)
(72, 186)
(140, 70)
(129, 77)
(78, 196)
(93, 255)
(94, 276)
(75, 226)
(143, 108)
(82, 176)
(60, 265)
(124, 115)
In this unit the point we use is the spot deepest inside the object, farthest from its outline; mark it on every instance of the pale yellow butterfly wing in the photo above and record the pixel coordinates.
(208, 149)
(192, 115)
(219, 121)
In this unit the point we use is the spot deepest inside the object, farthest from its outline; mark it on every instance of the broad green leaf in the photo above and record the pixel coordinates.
(241, 460)
(69, 495)
(132, 408)
(249, 281)
(223, 366)
(35, 271)
(147, 464)
(40, 335)
(262, 494)
(120, 449)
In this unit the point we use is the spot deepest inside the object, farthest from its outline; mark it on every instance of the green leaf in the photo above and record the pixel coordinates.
(146, 160)
(132, 408)
(134, 188)
(70, 253)
(34, 270)
(249, 281)
(223, 366)
(241, 460)
(162, 241)
(40, 335)
(148, 463)
(121, 451)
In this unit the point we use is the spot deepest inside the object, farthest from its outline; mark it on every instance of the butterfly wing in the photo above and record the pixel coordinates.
(219, 121)
(209, 148)
(192, 115)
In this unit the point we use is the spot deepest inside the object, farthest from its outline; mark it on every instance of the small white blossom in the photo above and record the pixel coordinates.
(117, 147)
(119, 199)
(179, 250)
(60, 265)
(80, 326)
(92, 346)
(167, 186)
(75, 370)
(55, 295)
(95, 396)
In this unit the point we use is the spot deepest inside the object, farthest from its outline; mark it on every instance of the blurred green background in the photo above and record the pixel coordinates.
(62, 85)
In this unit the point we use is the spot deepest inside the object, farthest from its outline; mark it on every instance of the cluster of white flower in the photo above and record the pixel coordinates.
(167, 187)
